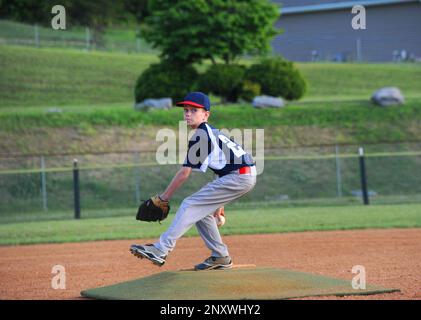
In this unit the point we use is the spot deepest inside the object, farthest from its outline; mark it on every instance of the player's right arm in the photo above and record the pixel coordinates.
(180, 177)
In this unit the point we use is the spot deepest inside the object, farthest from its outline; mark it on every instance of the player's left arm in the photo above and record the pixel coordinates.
(180, 177)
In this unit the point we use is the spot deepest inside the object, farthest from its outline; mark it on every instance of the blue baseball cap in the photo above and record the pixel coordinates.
(195, 99)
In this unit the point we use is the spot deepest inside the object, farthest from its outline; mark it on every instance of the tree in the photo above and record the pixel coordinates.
(79, 12)
(96, 14)
(29, 11)
(138, 8)
(190, 31)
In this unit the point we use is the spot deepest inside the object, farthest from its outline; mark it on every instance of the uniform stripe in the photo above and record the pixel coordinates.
(217, 159)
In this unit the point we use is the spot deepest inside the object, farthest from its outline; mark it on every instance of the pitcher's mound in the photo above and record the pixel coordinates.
(232, 284)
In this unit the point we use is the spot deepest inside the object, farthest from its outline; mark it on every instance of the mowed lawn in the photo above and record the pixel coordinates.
(252, 221)
(49, 77)
(59, 77)
(355, 81)
(97, 89)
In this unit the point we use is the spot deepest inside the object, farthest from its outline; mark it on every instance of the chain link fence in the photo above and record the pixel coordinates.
(82, 38)
(42, 188)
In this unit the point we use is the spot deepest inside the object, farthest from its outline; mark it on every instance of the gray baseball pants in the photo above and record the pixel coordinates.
(199, 208)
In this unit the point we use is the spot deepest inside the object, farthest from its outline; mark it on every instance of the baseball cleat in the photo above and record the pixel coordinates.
(149, 252)
(214, 263)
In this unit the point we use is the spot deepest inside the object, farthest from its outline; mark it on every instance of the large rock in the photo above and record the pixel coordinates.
(164, 103)
(54, 110)
(268, 102)
(387, 97)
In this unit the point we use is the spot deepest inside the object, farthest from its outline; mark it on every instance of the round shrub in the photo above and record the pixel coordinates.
(163, 80)
(250, 90)
(224, 80)
(278, 77)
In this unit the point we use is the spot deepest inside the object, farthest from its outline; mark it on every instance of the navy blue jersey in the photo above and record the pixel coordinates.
(208, 147)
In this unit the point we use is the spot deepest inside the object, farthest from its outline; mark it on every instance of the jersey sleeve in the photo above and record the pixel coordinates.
(198, 151)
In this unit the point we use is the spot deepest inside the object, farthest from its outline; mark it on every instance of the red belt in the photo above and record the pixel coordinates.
(244, 170)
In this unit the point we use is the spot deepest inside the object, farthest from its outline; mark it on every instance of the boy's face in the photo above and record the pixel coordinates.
(195, 116)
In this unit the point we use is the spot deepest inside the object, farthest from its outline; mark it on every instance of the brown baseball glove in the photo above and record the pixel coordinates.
(153, 209)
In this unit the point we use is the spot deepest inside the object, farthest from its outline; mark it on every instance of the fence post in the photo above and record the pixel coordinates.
(137, 44)
(43, 185)
(363, 176)
(359, 51)
(88, 39)
(76, 190)
(338, 173)
(36, 35)
(136, 174)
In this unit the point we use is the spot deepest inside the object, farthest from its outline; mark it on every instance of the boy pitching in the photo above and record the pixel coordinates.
(236, 171)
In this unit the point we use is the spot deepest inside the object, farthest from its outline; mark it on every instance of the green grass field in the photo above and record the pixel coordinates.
(245, 221)
(57, 77)
(95, 89)
(351, 81)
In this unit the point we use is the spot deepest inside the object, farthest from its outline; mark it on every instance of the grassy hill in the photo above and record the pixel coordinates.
(95, 93)
(58, 77)
(54, 77)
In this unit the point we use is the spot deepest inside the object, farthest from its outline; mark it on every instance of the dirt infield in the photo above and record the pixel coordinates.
(391, 257)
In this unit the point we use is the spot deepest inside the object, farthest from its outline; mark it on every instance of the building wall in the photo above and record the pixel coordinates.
(296, 3)
(388, 28)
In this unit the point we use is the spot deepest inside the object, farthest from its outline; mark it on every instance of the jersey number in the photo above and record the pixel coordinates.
(235, 148)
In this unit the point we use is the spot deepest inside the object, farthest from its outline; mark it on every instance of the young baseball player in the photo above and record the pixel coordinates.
(236, 176)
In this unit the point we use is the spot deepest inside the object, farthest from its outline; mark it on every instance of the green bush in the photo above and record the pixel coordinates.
(278, 77)
(250, 90)
(223, 80)
(163, 80)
